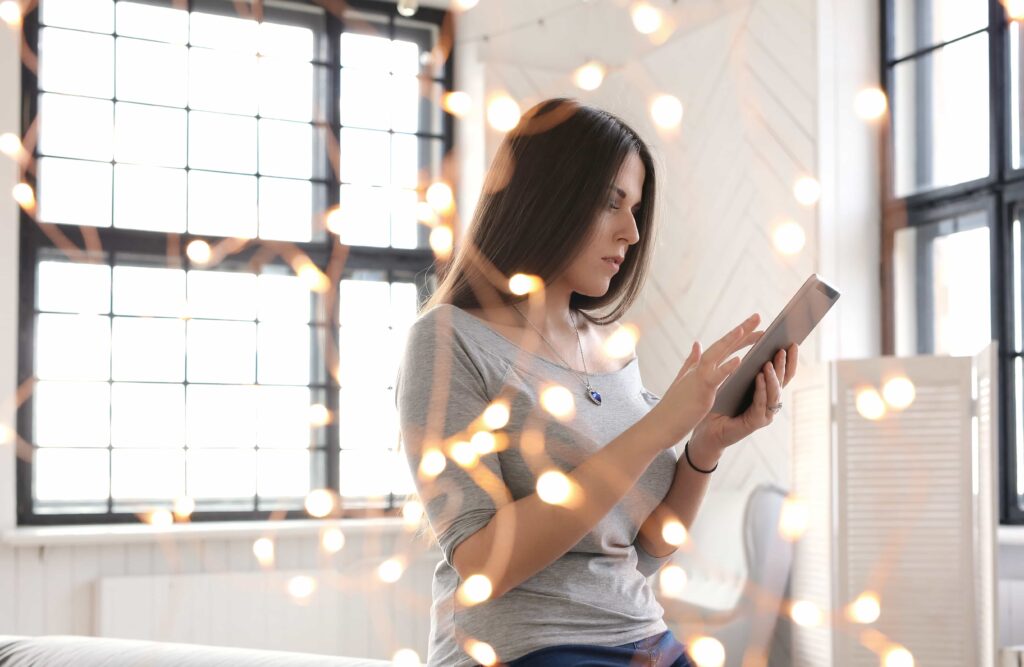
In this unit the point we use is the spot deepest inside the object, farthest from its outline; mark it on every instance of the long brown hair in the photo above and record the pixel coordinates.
(539, 206)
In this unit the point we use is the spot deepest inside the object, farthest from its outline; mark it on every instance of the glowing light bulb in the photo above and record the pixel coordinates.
(24, 195)
(407, 7)
(319, 503)
(558, 401)
(441, 240)
(199, 251)
(10, 145)
(793, 518)
(412, 513)
(589, 76)
(465, 454)
(674, 532)
(160, 518)
(554, 487)
(405, 657)
(622, 342)
(1014, 9)
(483, 442)
(898, 656)
(789, 238)
(899, 393)
(440, 197)
(263, 549)
(10, 13)
(666, 111)
(646, 19)
(301, 587)
(432, 463)
(481, 652)
(807, 191)
(476, 589)
(457, 103)
(183, 507)
(503, 113)
(672, 580)
(707, 652)
(332, 540)
(524, 283)
(865, 609)
(870, 404)
(391, 570)
(496, 415)
(871, 104)
(805, 613)
(319, 415)
(313, 278)
(426, 214)
(335, 220)
(466, 4)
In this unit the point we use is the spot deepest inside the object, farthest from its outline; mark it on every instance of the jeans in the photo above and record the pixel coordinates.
(662, 650)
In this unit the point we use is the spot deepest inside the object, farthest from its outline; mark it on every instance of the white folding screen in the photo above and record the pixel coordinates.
(902, 505)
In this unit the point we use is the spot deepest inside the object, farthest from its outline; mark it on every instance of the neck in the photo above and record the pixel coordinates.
(553, 317)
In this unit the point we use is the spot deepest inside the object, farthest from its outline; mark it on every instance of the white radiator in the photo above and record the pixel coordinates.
(905, 506)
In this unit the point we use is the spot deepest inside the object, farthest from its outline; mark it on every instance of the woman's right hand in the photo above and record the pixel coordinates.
(692, 394)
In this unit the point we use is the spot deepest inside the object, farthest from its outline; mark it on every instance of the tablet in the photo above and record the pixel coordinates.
(803, 312)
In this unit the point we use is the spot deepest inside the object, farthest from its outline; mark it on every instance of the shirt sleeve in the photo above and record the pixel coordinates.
(440, 392)
(646, 563)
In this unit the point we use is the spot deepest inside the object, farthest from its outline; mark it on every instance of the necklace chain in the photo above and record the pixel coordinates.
(587, 383)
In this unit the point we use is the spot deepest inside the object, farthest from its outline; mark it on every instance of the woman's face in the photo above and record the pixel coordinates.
(589, 273)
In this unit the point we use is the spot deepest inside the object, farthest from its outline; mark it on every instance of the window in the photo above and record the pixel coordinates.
(192, 329)
(954, 192)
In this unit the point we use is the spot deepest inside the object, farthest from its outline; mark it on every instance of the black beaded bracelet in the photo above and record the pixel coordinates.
(686, 452)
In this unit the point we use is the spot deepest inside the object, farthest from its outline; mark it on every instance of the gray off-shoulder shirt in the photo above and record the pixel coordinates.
(596, 593)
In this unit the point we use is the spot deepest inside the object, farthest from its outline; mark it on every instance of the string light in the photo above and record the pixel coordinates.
(405, 657)
(199, 251)
(10, 13)
(263, 549)
(590, 76)
(408, 7)
(871, 104)
(457, 103)
(807, 191)
(646, 19)
(789, 238)
(666, 111)
(332, 540)
(870, 404)
(899, 393)
(183, 507)
(23, 194)
(301, 587)
(10, 145)
(503, 112)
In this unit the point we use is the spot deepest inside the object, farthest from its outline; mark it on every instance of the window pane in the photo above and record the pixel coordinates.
(359, 304)
(364, 216)
(942, 287)
(405, 57)
(149, 135)
(283, 298)
(221, 204)
(152, 72)
(76, 127)
(223, 295)
(149, 349)
(221, 351)
(367, 417)
(151, 198)
(404, 224)
(1016, 78)
(162, 24)
(284, 417)
(286, 148)
(287, 41)
(364, 157)
(366, 51)
(72, 347)
(70, 474)
(282, 474)
(220, 81)
(369, 474)
(286, 209)
(283, 353)
(74, 192)
(940, 117)
(71, 414)
(221, 473)
(361, 103)
(222, 142)
(221, 416)
(147, 415)
(92, 15)
(923, 23)
(145, 474)
(149, 291)
(1019, 445)
(286, 89)
(73, 287)
(223, 32)
(404, 296)
(363, 356)
(78, 63)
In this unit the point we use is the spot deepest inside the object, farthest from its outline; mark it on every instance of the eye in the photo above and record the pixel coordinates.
(611, 204)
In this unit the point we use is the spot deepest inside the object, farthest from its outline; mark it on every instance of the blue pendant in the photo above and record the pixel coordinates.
(594, 396)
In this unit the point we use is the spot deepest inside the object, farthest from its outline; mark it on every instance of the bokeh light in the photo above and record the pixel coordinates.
(899, 392)
(432, 463)
(589, 76)
(554, 487)
(865, 609)
(666, 111)
(440, 197)
(405, 657)
(558, 401)
(807, 191)
(313, 278)
(496, 415)
(898, 656)
(706, 652)
(789, 238)
(672, 580)
(1014, 9)
(319, 415)
(10, 13)
(159, 518)
(464, 453)
(524, 283)
(503, 113)
(482, 652)
(412, 513)
(646, 18)
(301, 587)
(10, 145)
(793, 518)
(332, 540)
(870, 404)
(183, 507)
(441, 240)
(335, 220)
(871, 104)
(465, 4)
(199, 251)
(483, 442)
(806, 614)
(319, 503)
(476, 589)
(426, 214)
(23, 194)
(263, 549)
(622, 342)
(391, 570)
(457, 103)
(674, 532)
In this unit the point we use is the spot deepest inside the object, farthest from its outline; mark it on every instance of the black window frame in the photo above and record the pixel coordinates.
(996, 195)
(38, 240)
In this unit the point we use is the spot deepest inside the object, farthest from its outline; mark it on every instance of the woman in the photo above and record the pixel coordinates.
(550, 515)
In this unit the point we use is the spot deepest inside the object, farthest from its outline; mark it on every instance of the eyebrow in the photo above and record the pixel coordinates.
(622, 193)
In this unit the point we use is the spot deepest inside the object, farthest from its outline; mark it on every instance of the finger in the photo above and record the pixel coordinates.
(773, 385)
(747, 340)
(759, 408)
(721, 348)
(725, 370)
(780, 365)
(693, 358)
(791, 358)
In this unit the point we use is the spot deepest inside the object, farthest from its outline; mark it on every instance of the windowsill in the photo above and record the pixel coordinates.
(32, 536)
(1011, 535)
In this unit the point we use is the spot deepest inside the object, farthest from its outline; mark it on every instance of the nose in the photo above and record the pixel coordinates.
(630, 232)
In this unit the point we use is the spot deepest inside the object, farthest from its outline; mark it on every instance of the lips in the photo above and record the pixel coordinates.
(611, 262)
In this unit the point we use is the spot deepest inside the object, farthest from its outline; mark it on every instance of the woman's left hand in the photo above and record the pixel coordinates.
(718, 431)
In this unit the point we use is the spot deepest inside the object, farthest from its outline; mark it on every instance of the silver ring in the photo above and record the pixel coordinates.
(774, 409)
